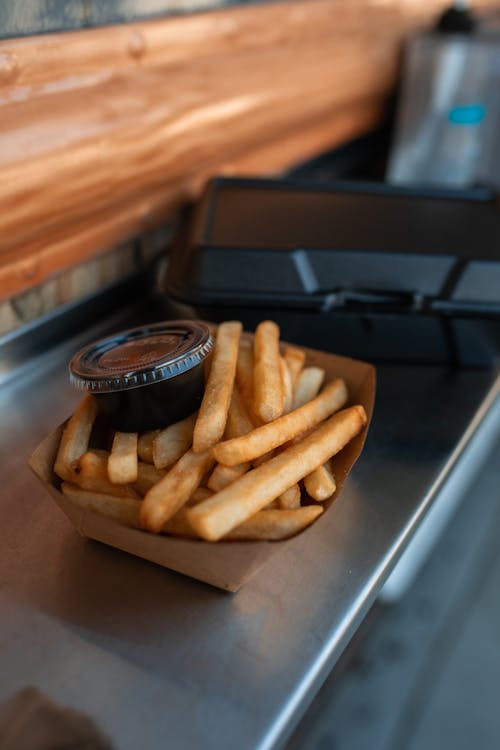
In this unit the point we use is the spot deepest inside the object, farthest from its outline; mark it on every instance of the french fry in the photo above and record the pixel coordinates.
(239, 423)
(180, 525)
(320, 484)
(217, 516)
(212, 417)
(307, 386)
(122, 509)
(265, 525)
(273, 505)
(224, 475)
(75, 438)
(147, 477)
(286, 384)
(238, 419)
(267, 386)
(273, 525)
(262, 459)
(172, 442)
(145, 446)
(295, 358)
(244, 370)
(123, 460)
(91, 473)
(97, 452)
(174, 490)
(269, 436)
(290, 498)
(200, 494)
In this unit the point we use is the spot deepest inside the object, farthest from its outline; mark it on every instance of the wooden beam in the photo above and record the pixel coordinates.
(104, 132)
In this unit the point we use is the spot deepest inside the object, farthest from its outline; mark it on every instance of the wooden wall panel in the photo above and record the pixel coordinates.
(104, 132)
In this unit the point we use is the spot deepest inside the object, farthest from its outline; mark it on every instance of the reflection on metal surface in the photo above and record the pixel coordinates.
(460, 473)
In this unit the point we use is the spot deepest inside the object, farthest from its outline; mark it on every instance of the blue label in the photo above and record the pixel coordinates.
(468, 114)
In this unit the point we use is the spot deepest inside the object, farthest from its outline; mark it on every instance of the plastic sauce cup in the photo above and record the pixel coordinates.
(148, 377)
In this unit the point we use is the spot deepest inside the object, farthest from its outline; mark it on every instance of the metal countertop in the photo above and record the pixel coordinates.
(160, 660)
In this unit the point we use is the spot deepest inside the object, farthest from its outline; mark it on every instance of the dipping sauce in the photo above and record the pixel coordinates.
(148, 377)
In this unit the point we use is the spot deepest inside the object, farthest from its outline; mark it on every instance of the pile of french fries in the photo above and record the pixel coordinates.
(251, 464)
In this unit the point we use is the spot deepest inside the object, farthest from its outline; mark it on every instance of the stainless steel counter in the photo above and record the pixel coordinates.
(160, 660)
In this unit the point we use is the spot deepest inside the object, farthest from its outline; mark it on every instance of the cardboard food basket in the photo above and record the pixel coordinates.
(226, 565)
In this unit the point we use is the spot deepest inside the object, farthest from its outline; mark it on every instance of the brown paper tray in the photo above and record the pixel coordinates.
(226, 565)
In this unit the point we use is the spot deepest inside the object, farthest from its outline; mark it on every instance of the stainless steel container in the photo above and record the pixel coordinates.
(448, 125)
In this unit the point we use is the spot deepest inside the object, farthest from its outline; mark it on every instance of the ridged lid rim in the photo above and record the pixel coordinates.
(165, 369)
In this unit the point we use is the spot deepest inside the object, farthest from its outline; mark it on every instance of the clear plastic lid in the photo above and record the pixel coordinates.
(141, 356)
